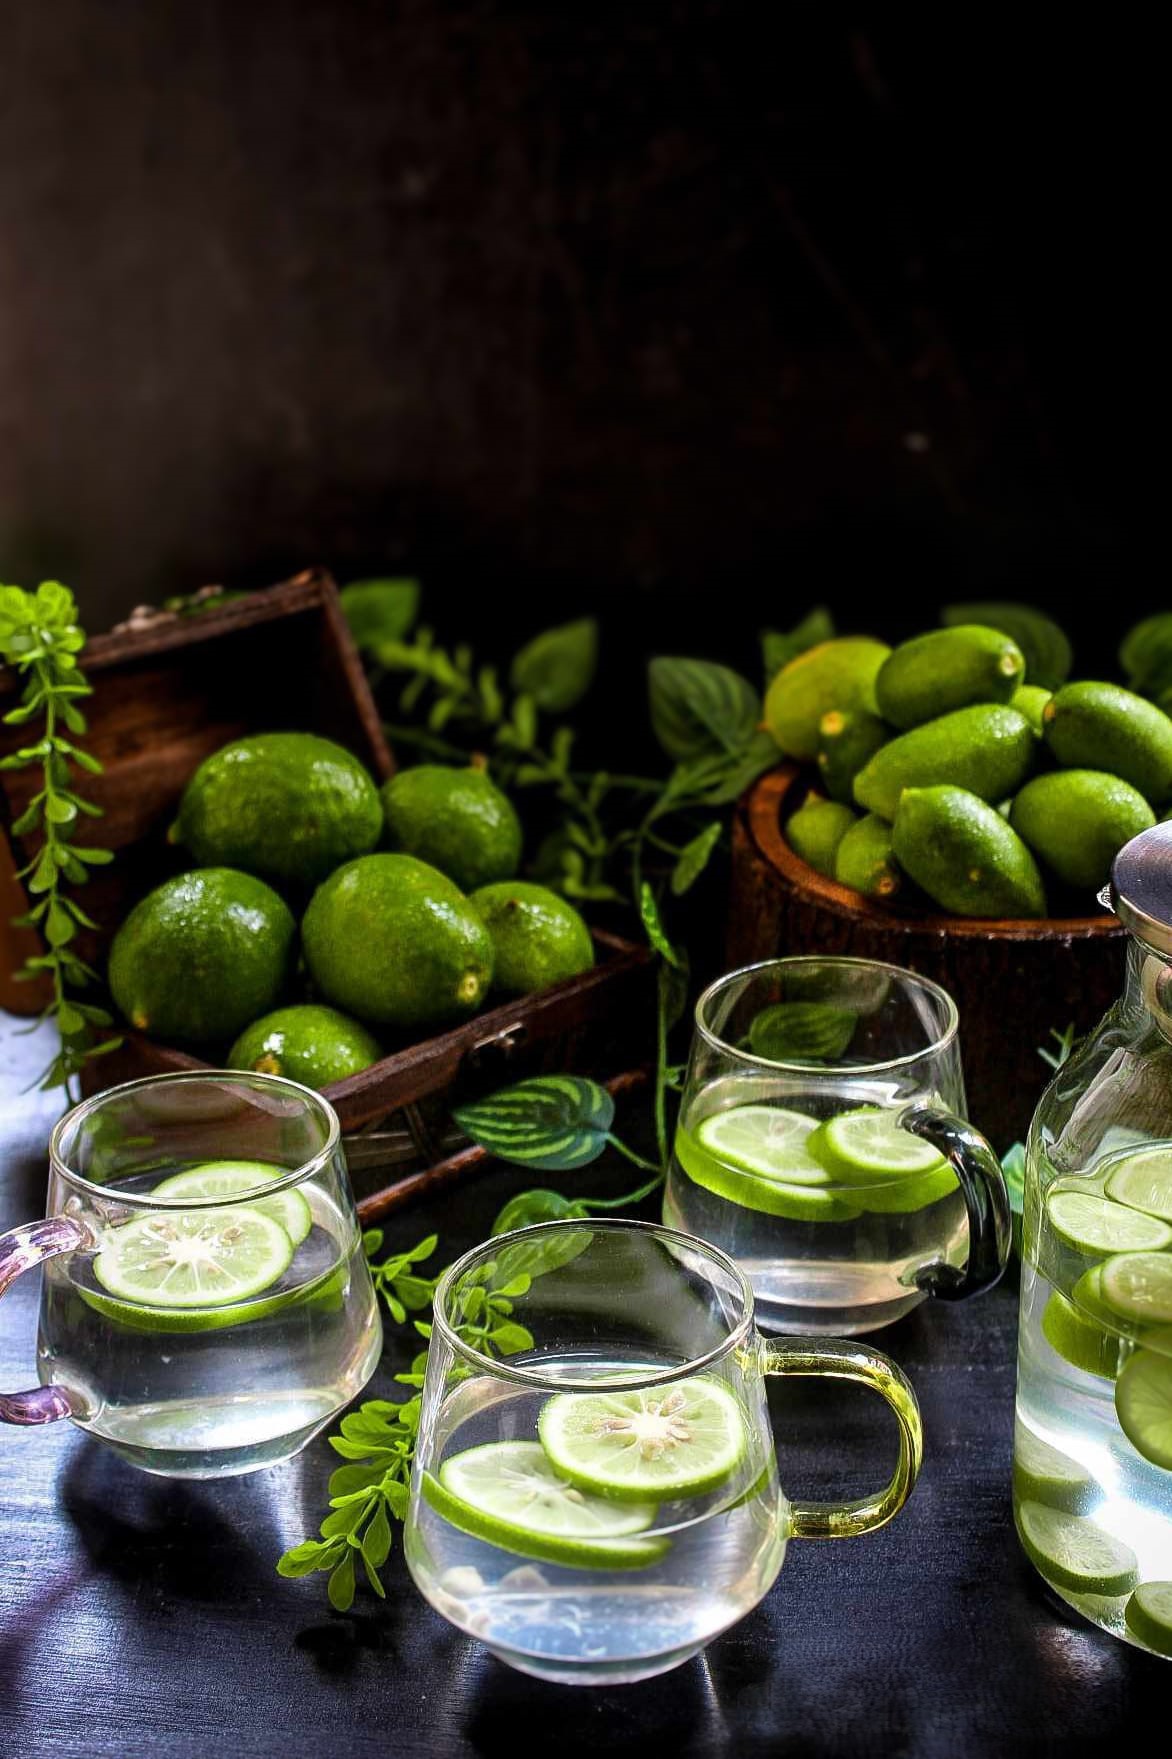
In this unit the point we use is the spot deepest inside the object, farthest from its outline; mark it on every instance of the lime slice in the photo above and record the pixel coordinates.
(327, 1293)
(1042, 1473)
(508, 1494)
(1144, 1181)
(193, 1258)
(1079, 1341)
(232, 1178)
(1143, 1405)
(1138, 1286)
(1096, 1224)
(660, 1442)
(764, 1140)
(1149, 1616)
(806, 1202)
(903, 1196)
(1074, 1553)
(868, 1144)
(1087, 1296)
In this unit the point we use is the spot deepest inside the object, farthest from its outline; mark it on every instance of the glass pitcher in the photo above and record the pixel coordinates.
(1093, 1442)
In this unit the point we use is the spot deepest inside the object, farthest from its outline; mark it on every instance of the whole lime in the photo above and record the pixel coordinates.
(394, 942)
(202, 955)
(288, 806)
(458, 820)
(309, 1044)
(537, 938)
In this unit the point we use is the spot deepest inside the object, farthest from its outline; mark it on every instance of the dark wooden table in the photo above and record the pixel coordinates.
(142, 1618)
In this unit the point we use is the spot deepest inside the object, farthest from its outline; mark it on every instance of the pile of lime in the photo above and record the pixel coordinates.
(966, 762)
(784, 1163)
(410, 912)
(586, 1493)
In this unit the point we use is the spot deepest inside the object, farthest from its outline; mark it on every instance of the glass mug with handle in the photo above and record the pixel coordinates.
(600, 1504)
(821, 1141)
(206, 1306)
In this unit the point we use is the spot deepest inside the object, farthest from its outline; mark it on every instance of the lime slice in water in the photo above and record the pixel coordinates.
(1074, 1553)
(1096, 1224)
(1143, 1404)
(193, 1258)
(508, 1494)
(1144, 1181)
(1042, 1473)
(661, 1442)
(868, 1145)
(1149, 1616)
(764, 1140)
(1138, 1286)
(232, 1178)
(1079, 1341)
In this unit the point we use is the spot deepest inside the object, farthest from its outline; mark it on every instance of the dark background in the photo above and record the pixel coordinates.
(690, 313)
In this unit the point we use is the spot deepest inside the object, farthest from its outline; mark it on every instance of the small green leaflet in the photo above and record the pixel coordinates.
(379, 610)
(557, 667)
(699, 708)
(551, 1122)
(694, 858)
(1146, 654)
(1013, 1166)
(1043, 644)
(778, 650)
(656, 934)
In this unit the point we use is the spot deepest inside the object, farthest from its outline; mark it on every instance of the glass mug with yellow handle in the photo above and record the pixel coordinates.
(206, 1306)
(600, 1503)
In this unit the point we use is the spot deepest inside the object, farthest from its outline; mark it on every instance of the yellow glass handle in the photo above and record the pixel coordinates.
(843, 1360)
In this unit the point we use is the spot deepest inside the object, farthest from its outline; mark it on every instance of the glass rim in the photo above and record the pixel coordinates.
(81, 1113)
(816, 1071)
(503, 1367)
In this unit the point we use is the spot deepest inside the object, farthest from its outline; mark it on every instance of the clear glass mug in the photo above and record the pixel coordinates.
(821, 1141)
(206, 1306)
(599, 1504)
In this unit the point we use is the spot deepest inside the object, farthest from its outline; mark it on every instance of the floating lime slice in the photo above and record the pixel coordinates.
(1096, 1224)
(1079, 1341)
(193, 1258)
(1074, 1553)
(903, 1196)
(661, 1442)
(806, 1202)
(867, 1145)
(508, 1494)
(232, 1178)
(1144, 1181)
(326, 1294)
(1138, 1286)
(1143, 1404)
(1149, 1616)
(1043, 1474)
(764, 1140)
(1087, 1296)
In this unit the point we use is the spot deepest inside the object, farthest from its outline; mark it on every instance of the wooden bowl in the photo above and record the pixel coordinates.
(1013, 981)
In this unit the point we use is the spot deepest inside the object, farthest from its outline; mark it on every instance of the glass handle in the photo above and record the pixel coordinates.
(841, 1359)
(23, 1249)
(986, 1200)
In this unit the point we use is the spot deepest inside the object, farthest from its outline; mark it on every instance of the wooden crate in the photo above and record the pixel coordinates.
(170, 689)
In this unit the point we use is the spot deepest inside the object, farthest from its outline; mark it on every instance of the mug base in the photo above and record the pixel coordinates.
(597, 1673)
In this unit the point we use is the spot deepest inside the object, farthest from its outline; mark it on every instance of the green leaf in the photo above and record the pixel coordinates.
(801, 1032)
(376, 1541)
(508, 1338)
(528, 1208)
(1013, 1166)
(303, 1559)
(694, 858)
(60, 810)
(552, 1122)
(718, 780)
(341, 1584)
(557, 667)
(379, 610)
(1063, 1045)
(778, 650)
(649, 912)
(699, 707)
(29, 819)
(542, 1253)
(93, 857)
(1044, 645)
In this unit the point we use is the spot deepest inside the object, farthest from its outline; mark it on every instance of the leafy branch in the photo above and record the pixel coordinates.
(40, 638)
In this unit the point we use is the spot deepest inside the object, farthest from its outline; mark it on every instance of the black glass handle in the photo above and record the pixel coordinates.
(986, 1200)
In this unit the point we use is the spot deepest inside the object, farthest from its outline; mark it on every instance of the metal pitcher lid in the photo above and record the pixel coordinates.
(1141, 887)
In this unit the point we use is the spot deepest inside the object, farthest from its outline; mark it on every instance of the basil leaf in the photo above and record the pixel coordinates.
(699, 707)
(557, 667)
(379, 610)
(694, 858)
(552, 1122)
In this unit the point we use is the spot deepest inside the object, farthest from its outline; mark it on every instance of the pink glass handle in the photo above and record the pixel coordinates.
(21, 1249)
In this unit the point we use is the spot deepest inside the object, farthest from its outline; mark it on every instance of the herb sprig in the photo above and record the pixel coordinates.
(40, 637)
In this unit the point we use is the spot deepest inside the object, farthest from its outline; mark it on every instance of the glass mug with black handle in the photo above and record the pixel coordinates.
(206, 1306)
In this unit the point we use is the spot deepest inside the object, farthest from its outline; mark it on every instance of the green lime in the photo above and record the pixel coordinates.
(327, 1293)
(765, 1140)
(457, 820)
(1138, 1286)
(1087, 1296)
(1143, 1404)
(193, 1258)
(1077, 1340)
(233, 1178)
(1074, 1553)
(651, 1442)
(868, 1144)
(1149, 1616)
(801, 1203)
(313, 1045)
(1096, 1224)
(396, 943)
(288, 806)
(537, 938)
(836, 674)
(906, 1196)
(508, 1494)
(1144, 1181)
(1043, 1474)
(201, 956)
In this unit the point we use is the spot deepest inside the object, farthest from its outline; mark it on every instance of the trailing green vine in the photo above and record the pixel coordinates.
(40, 638)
